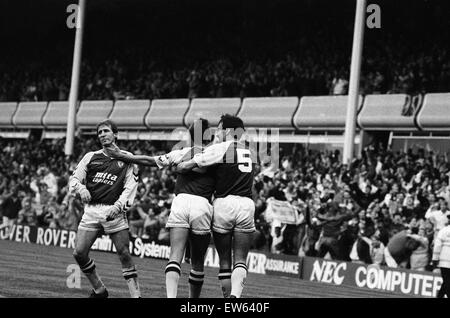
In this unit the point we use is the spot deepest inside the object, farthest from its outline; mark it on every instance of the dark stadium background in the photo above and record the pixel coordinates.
(150, 49)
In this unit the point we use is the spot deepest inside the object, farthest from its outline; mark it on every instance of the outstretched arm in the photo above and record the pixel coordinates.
(139, 159)
(114, 152)
(160, 161)
(210, 156)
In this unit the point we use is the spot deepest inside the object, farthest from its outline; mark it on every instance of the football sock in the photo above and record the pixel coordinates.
(130, 275)
(89, 269)
(195, 283)
(225, 281)
(173, 272)
(238, 279)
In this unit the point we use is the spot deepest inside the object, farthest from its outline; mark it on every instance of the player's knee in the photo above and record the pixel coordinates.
(124, 255)
(80, 256)
(197, 265)
(87, 265)
(225, 263)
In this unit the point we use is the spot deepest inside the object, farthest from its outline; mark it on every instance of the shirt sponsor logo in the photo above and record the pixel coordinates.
(106, 178)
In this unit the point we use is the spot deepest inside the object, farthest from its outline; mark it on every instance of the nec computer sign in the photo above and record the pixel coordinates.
(373, 277)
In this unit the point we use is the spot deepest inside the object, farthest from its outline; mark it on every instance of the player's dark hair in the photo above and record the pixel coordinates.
(233, 122)
(110, 124)
(200, 124)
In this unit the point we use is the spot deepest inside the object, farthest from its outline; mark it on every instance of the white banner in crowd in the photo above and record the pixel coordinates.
(282, 211)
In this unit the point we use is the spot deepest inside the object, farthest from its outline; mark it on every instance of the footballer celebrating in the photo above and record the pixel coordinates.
(233, 222)
(107, 187)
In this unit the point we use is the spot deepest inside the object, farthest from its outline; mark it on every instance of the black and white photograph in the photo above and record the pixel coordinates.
(238, 151)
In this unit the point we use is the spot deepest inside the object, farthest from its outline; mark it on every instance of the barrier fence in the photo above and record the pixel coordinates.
(382, 112)
(401, 281)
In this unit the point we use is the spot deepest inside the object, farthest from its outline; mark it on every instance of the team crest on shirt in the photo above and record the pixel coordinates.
(120, 164)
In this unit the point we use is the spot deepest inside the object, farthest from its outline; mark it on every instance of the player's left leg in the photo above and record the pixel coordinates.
(200, 218)
(222, 242)
(241, 246)
(178, 239)
(87, 233)
(84, 240)
(198, 246)
(222, 226)
(121, 242)
(242, 240)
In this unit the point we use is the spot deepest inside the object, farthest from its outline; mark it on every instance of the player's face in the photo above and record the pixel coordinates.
(105, 135)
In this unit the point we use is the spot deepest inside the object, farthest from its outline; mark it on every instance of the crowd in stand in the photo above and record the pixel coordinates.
(384, 208)
(282, 49)
(308, 73)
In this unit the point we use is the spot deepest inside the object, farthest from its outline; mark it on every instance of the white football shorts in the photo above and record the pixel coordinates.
(233, 213)
(191, 211)
(94, 219)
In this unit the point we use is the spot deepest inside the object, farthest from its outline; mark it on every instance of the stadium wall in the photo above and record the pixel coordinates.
(378, 112)
(402, 281)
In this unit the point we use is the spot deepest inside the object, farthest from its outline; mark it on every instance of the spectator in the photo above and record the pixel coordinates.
(399, 249)
(48, 178)
(368, 248)
(163, 235)
(68, 218)
(441, 258)
(419, 257)
(438, 217)
(363, 198)
(27, 215)
(11, 206)
(339, 85)
(332, 221)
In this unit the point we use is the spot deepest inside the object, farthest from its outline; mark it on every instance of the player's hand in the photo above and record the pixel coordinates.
(163, 160)
(113, 213)
(113, 151)
(85, 196)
